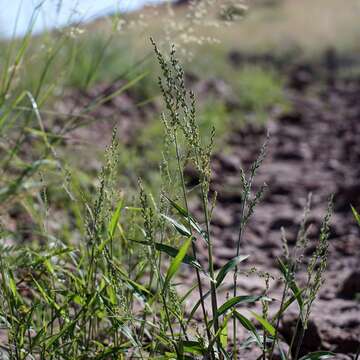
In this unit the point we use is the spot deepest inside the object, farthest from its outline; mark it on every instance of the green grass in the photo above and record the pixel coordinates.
(90, 261)
(96, 274)
(260, 90)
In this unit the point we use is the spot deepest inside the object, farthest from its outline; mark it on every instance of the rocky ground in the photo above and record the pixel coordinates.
(312, 149)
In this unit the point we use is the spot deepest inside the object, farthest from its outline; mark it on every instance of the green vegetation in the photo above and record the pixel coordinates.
(259, 90)
(90, 263)
(103, 285)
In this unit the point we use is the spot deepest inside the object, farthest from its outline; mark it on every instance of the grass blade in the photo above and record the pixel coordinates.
(175, 264)
(228, 267)
(242, 299)
(265, 324)
(356, 215)
(248, 325)
(179, 227)
(291, 283)
(193, 222)
(115, 219)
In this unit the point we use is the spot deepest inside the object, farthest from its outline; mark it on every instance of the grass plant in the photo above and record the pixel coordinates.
(105, 285)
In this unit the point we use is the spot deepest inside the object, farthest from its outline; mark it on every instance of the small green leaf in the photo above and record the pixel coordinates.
(228, 267)
(111, 294)
(12, 285)
(220, 277)
(139, 289)
(317, 355)
(171, 251)
(179, 227)
(356, 214)
(49, 266)
(175, 264)
(224, 332)
(193, 222)
(265, 324)
(248, 325)
(193, 347)
(78, 300)
(115, 219)
(243, 299)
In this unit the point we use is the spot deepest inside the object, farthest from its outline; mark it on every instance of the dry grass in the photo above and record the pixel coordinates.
(278, 26)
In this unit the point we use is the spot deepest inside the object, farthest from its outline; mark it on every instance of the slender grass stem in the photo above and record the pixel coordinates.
(194, 251)
(283, 297)
(211, 268)
(242, 213)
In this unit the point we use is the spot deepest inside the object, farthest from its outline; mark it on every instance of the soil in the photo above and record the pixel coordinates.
(314, 149)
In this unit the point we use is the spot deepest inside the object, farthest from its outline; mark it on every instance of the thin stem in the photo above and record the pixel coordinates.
(169, 321)
(243, 206)
(278, 321)
(264, 345)
(294, 336)
(211, 267)
(201, 294)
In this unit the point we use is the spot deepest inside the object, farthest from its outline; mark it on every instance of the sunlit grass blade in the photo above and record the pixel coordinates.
(239, 300)
(115, 219)
(173, 252)
(265, 324)
(356, 215)
(182, 230)
(248, 325)
(175, 264)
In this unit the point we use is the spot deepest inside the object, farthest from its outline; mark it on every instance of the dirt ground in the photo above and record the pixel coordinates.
(314, 149)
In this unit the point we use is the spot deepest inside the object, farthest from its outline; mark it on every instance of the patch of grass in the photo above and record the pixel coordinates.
(90, 264)
(105, 284)
(259, 90)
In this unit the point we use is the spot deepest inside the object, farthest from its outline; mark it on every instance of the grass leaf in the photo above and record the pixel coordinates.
(173, 252)
(317, 355)
(291, 283)
(175, 264)
(179, 227)
(356, 214)
(248, 325)
(228, 267)
(265, 324)
(242, 299)
(115, 219)
(193, 222)
(193, 347)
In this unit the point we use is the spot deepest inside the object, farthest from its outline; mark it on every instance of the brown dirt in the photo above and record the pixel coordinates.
(95, 126)
(314, 148)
